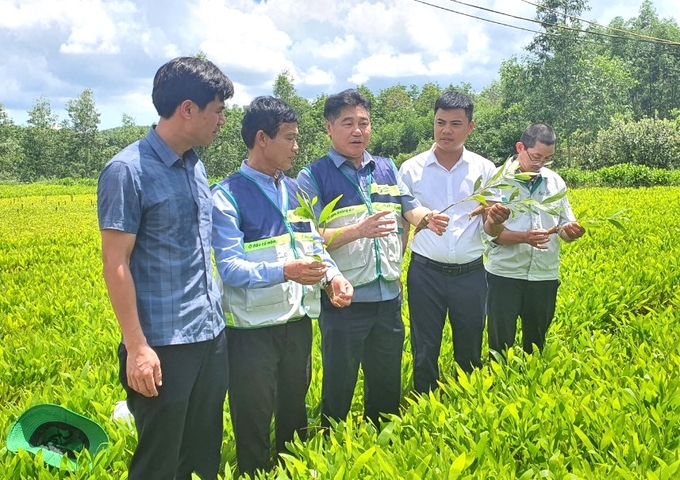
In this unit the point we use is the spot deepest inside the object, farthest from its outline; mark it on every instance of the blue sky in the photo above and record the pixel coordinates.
(59, 48)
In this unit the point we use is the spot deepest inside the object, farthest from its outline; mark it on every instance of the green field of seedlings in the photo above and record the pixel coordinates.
(602, 401)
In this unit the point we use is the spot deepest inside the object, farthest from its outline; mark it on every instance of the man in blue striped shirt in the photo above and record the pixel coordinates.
(154, 208)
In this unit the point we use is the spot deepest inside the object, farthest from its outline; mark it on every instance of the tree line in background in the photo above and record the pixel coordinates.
(612, 94)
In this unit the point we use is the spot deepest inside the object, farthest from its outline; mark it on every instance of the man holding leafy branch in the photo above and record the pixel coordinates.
(523, 260)
(446, 273)
(271, 261)
(366, 245)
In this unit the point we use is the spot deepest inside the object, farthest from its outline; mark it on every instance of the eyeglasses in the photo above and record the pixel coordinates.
(537, 158)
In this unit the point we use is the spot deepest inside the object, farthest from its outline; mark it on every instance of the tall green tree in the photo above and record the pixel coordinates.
(313, 140)
(226, 153)
(654, 65)
(117, 138)
(86, 146)
(41, 144)
(565, 81)
(284, 88)
(11, 153)
(499, 117)
(557, 71)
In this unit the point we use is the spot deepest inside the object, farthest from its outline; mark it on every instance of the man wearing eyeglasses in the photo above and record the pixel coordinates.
(523, 260)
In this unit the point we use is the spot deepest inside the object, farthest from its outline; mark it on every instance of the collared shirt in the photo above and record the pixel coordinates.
(230, 255)
(147, 190)
(436, 188)
(382, 289)
(522, 261)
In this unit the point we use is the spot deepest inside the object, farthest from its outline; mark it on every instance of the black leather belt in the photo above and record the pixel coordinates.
(448, 268)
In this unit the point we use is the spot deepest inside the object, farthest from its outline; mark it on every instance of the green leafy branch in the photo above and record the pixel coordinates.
(616, 219)
(306, 210)
(484, 191)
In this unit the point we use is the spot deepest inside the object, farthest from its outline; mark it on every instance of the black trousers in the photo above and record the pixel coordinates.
(269, 376)
(370, 334)
(532, 301)
(431, 296)
(180, 431)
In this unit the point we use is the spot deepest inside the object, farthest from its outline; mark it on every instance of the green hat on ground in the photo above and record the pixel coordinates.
(57, 432)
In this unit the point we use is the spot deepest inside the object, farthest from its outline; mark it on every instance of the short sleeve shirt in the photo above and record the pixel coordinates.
(165, 201)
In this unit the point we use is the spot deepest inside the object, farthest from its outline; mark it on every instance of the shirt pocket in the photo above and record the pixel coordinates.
(258, 298)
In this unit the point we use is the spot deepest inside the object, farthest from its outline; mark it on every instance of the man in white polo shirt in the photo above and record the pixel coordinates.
(446, 274)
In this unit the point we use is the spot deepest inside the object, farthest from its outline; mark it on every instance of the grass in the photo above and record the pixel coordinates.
(602, 401)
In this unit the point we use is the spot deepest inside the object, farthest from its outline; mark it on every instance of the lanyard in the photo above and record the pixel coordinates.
(284, 208)
(366, 200)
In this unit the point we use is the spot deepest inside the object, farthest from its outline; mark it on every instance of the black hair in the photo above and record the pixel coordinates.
(266, 114)
(188, 78)
(538, 132)
(452, 99)
(346, 98)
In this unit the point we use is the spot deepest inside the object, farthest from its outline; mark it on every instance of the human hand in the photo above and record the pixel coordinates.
(376, 225)
(497, 214)
(143, 370)
(437, 222)
(572, 230)
(305, 271)
(537, 238)
(340, 291)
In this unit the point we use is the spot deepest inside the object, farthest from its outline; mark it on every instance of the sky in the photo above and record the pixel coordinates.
(114, 47)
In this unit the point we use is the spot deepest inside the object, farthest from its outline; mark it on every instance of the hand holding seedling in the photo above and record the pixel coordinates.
(482, 191)
(306, 271)
(434, 221)
(572, 231)
(497, 214)
(438, 222)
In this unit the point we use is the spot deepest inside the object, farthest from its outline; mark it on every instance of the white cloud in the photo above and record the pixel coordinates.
(93, 26)
(17, 15)
(389, 66)
(114, 47)
(241, 95)
(316, 76)
(336, 48)
(447, 64)
(240, 40)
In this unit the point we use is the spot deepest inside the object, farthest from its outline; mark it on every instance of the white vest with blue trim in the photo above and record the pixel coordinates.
(269, 237)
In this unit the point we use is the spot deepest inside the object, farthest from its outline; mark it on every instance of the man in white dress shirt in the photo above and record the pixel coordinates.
(446, 274)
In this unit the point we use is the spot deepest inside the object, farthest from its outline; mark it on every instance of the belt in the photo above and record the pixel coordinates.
(448, 268)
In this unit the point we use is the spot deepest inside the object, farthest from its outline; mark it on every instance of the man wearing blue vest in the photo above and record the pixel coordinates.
(366, 246)
(264, 254)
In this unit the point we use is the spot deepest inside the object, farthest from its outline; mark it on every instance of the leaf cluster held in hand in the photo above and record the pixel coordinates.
(306, 210)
